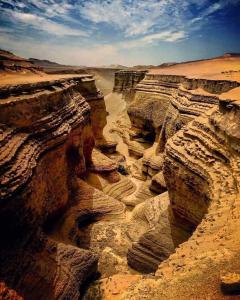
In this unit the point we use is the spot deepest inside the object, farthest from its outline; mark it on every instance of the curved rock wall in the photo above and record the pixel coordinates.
(179, 101)
(46, 143)
(201, 169)
(184, 106)
(170, 101)
(198, 155)
(47, 134)
(148, 108)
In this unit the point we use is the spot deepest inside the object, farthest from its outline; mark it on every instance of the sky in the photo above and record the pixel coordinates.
(126, 32)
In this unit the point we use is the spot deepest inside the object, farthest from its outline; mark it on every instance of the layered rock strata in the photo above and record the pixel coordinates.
(155, 234)
(98, 113)
(125, 81)
(12, 63)
(173, 100)
(62, 202)
(198, 157)
(97, 222)
(201, 170)
(150, 102)
(163, 104)
(46, 143)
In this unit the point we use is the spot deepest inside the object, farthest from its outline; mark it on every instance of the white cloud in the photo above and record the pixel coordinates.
(44, 24)
(140, 17)
(52, 8)
(63, 53)
(136, 18)
(168, 36)
(130, 18)
(138, 24)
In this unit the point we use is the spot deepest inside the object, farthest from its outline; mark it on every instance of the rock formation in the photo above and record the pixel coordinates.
(12, 63)
(125, 81)
(202, 177)
(155, 234)
(198, 157)
(46, 143)
(171, 212)
(199, 162)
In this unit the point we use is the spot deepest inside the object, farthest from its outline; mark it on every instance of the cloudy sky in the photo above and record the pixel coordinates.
(128, 32)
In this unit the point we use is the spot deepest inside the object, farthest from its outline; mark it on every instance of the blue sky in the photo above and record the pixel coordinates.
(128, 32)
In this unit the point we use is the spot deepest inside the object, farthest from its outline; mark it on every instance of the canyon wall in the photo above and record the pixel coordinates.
(63, 216)
(150, 102)
(46, 141)
(201, 169)
(125, 81)
(196, 157)
(162, 104)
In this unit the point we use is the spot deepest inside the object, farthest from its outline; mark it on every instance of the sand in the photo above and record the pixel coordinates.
(223, 68)
(20, 78)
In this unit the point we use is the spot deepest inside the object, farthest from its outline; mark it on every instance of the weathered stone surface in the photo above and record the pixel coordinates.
(163, 104)
(141, 194)
(97, 222)
(196, 157)
(148, 108)
(155, 234)
(202, 177)
(12, 63)
(111, 288)
(58, 195)
(46, 143)
(158, 184)
(230, 284)
(101, 163)
(125, 81)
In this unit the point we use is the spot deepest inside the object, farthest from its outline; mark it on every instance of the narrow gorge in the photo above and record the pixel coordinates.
(134, 195)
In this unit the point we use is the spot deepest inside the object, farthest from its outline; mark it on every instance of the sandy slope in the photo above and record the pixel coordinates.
(224, 68)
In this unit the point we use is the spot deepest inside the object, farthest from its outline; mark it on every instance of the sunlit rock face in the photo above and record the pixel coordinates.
(151, 100)
(66, 213)
(199, 162)
(188, 236)
(98, 113)
(155, 234)
(125, 81)
(174, 109)
(192, 98)
(46, 143)
(201, 169)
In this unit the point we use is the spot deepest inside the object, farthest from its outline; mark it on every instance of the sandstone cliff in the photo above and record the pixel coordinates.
(46, 145)
(125, 81)
(202, 175)
(172, 210)
(196, 157)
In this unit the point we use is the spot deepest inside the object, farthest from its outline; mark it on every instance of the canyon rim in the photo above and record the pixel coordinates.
(119, 150)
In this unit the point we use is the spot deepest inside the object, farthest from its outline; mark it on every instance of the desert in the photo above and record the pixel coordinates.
(119, 180)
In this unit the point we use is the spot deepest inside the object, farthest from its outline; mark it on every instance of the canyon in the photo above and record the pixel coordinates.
(120, 184)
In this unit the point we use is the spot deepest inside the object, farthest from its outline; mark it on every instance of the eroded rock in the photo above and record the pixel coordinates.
(46, 143)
